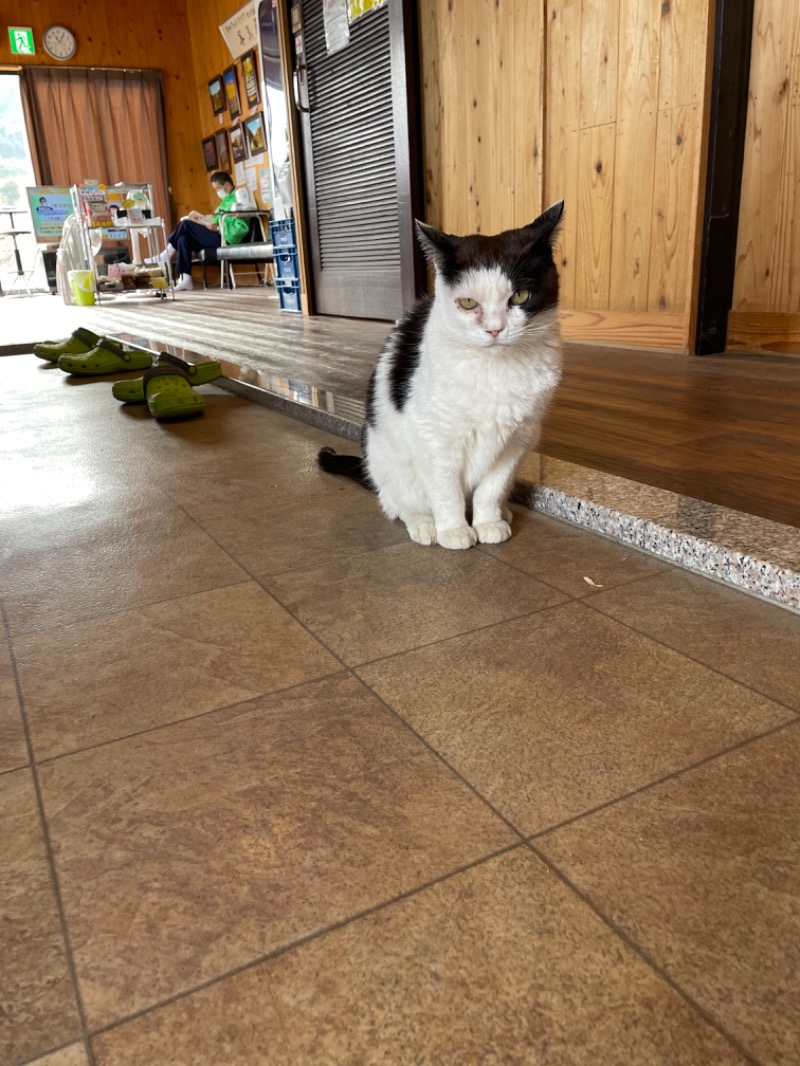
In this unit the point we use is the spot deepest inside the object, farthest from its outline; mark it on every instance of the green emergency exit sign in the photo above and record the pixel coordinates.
(21, 38)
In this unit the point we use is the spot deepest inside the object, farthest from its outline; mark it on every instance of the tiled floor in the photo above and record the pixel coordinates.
(279, 787)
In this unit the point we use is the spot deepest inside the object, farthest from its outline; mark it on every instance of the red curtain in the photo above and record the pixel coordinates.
(103, 124)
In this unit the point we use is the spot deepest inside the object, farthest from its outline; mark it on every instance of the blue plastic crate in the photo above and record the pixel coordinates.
(282, 232)
(287, 265)
(288, 294)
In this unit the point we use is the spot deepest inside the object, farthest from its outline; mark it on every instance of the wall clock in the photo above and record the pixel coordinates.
(59, 42)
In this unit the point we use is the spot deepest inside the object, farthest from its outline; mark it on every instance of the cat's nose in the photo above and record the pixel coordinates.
(494, 332)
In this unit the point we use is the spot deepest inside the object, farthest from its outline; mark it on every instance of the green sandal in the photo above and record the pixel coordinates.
(107, 357)
(80, 342)
(196, 373)
(169, 393)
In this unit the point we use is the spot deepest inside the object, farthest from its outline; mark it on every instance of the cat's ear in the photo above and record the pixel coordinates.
(546, 225)
(436, 246)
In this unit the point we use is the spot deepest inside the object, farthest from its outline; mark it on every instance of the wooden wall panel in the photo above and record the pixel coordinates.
(683, 34)
(624, 88)
(674, 208)
(599, 54)
(635, 167)
(595, 210)
(562, 131)
(483, 113)
(767, 275)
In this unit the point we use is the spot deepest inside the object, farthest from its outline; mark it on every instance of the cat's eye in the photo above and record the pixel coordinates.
(466, 303)
(519, 297)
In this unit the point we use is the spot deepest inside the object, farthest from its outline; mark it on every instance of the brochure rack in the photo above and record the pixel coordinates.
(122, 213)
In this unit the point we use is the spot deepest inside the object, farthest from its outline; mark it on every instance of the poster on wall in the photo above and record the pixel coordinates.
(337, 28)
(232, 92)
(250, 78)
(256, 135)
(240, 30)
(210, 153)
(251, 178)
(223, 150)
(50, 205)
(357, 8)
(217, 94)
(265, 184)
(238, 146)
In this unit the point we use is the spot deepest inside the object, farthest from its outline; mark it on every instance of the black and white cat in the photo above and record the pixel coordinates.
(460, 389)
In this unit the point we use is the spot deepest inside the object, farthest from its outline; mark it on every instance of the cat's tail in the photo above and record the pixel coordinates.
(350, 466)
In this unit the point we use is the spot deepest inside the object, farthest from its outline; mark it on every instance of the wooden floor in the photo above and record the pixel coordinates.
(720, 428)
(725, 429)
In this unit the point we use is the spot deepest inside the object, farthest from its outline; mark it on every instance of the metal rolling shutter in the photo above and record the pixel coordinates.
(353, 182)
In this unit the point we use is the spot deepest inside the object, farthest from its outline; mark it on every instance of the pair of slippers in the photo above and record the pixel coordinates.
(165, 388)
(87, 354)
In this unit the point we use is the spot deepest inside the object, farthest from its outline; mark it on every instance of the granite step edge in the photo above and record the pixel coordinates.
(775, 584)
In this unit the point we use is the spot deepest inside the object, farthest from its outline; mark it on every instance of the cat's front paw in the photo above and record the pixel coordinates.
(422, 530)
(462, 537)
(492, 532)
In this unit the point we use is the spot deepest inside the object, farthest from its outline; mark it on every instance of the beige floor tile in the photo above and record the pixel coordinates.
(105, 679)
(387, 601)
(194, 849)
(37, 1008)
(565, 556)
(74, 1055)
(285, 513)
(13, 751)
(702, 872)
(279, 439)
(748, 640)
(133, 554)
(551, 715)
(499, 965)
(265, 480)
(268, 541)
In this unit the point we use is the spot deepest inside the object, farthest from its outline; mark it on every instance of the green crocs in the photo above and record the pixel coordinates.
(169, 394)
(107, 357)
(196, 374)
(81, 341)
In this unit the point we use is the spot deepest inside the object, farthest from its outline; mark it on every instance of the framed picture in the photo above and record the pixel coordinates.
(210, 154)
(250, 77)
(223, 150)
(238, 146)
(232, 92)
(217, 93)
(256, 136)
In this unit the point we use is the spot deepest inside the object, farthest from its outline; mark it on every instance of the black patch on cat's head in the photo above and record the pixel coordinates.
(525, 255)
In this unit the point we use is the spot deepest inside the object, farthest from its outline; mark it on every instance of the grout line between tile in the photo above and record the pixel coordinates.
(465, 633)
(317, 934)
(189, 718)
(263, 583)
(634, 946)
(677, 651)
(50, 858)
(17, 635)
(441, 758)
(673, 775)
